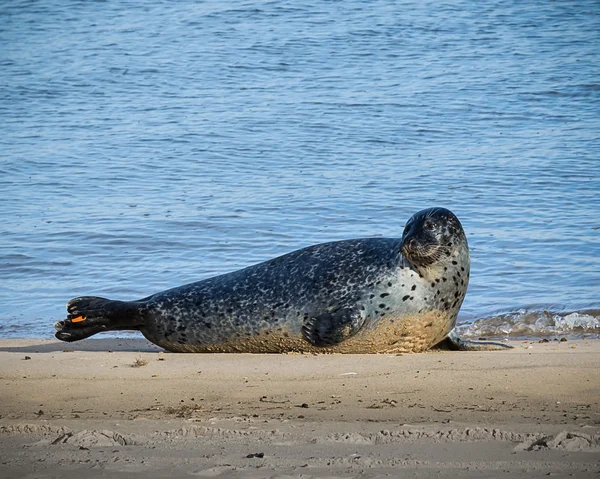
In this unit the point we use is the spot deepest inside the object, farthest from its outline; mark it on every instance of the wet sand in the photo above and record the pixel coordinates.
(123, 408)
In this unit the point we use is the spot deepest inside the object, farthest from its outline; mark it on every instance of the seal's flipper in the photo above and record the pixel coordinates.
(458, 344)
(69, 334)
(331, 328)
(89, 315)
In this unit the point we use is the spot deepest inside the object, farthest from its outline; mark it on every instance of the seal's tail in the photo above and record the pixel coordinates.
(89, 315)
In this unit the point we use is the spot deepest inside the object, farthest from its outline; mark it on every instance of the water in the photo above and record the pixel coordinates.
(147, 144)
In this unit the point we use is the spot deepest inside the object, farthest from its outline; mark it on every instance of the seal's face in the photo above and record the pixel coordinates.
(431, 235)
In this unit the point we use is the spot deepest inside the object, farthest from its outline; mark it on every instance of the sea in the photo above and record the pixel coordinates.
(145, 145)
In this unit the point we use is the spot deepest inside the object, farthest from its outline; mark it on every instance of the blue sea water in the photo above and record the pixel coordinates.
(144, 145)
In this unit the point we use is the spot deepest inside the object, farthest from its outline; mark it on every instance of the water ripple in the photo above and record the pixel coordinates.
(148, 145)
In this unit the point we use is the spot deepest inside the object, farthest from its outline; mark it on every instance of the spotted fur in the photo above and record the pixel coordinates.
(329, 297)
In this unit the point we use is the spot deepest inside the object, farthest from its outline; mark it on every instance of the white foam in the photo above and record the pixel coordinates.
(532, 324)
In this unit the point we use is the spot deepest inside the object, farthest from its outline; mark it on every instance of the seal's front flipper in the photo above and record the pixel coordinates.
(332, 328)
(458, 344)
(89, 315)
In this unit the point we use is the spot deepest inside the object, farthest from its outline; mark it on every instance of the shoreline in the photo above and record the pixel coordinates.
(534, 409)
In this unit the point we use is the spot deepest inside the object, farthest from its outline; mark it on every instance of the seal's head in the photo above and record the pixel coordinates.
(432, 235)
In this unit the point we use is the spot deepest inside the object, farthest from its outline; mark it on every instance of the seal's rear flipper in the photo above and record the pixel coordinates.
(458, 344)
(89, 315)
(69, 334)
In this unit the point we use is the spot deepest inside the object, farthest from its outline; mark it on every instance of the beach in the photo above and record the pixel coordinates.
(125, 408)
(152, 145)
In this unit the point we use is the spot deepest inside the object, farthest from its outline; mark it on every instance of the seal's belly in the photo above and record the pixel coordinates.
(392, 334)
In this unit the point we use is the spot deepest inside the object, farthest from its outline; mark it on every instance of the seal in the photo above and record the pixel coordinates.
(369, 295)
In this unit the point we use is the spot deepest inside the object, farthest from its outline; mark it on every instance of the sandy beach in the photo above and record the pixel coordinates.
(123, 408)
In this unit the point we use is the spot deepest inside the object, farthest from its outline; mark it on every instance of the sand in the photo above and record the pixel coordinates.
(122, 408)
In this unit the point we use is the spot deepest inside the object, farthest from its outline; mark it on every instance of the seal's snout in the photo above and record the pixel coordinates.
(419, 245)
(417, 249)
(408, 244)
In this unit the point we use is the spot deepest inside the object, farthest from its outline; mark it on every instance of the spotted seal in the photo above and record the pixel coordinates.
(369, 295)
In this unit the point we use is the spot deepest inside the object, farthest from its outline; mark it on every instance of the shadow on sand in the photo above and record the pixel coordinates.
(53, 345)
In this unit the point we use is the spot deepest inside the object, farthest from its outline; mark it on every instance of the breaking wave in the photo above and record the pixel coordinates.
(527, 323)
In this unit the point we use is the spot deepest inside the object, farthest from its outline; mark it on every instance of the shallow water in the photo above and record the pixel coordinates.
(151, 144)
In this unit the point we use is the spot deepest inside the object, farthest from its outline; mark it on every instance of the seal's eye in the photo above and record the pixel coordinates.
(406, 228)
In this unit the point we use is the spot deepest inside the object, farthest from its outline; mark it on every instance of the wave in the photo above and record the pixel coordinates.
(528, 324)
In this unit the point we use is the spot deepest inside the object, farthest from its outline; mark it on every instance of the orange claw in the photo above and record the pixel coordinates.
(78, 319)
